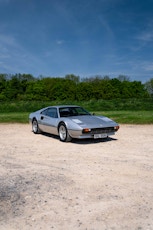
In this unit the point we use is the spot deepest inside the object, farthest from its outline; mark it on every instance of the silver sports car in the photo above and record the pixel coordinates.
(71, 121)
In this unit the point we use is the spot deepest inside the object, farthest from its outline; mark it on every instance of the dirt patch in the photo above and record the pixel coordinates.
(86, 185)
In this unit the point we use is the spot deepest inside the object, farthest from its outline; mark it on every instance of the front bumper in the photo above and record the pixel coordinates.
(94, 133)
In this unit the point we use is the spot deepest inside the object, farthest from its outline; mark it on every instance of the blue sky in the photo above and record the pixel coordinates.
(83, 37)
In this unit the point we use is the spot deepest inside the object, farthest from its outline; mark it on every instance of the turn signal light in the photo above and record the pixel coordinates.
(86, 130)
(116, 128)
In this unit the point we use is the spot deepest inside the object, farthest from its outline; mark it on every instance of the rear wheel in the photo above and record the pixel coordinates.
(63, 133)
(35, 127)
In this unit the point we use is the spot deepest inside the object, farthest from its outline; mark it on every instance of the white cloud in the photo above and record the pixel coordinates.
(148, 66)
(59, 42)
(146, 36)
(7, 41)
(106, 26)
(9, 51)
(143, 66)
(14, 58)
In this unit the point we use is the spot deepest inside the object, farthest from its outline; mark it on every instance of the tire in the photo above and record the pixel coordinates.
(63, 133)
(35, 127)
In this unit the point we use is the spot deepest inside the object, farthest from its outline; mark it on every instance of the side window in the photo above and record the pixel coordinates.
(44, 112)
(52, 112)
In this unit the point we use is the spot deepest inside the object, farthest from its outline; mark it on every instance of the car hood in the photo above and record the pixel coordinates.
(93, 121)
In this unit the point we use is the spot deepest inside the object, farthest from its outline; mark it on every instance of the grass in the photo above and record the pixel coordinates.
(132, 104)
(122, 117)
(129, 117)
(125, 111)
(14, 117)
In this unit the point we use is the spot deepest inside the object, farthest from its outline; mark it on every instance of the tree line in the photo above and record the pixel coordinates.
(71, 87)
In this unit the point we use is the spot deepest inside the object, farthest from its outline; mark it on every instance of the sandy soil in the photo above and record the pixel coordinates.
(84, 185)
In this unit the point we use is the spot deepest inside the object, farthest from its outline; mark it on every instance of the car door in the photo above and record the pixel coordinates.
(49, 120)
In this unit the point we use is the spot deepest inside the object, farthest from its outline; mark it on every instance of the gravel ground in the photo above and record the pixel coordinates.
(84, 185)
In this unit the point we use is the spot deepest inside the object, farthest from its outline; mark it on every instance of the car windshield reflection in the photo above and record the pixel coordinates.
(72, 111)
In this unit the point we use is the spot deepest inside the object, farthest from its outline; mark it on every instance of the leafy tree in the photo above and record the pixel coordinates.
(84, 91)
(149, 87)
(13, 88)
(123, 78)
(2, 82)
(70, 88)
(72, 77)
(117, 88)
(138, 90)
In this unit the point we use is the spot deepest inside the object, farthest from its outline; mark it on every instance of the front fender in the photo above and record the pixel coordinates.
(70, 124)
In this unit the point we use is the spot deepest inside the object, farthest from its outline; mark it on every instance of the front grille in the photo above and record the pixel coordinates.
(102, 130)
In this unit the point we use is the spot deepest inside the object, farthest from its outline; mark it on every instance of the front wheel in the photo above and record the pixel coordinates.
(35, 127)
(63, 133)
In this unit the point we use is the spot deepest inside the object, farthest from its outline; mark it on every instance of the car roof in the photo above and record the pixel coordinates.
(62, 106)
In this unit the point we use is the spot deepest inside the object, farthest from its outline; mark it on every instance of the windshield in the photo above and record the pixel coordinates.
(72, 111)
